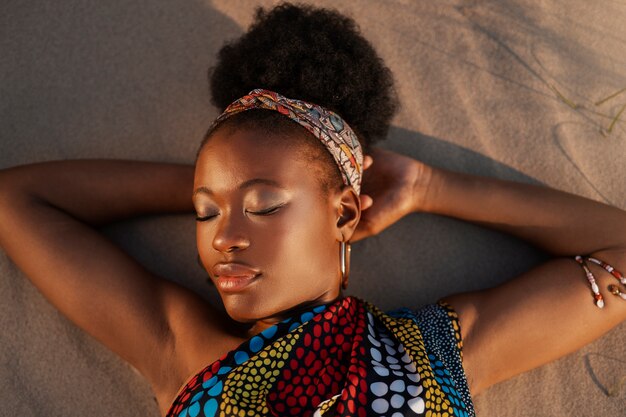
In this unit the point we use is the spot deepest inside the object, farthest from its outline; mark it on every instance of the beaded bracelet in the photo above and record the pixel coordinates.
(614, 289)
(599, 300)
(618, 275)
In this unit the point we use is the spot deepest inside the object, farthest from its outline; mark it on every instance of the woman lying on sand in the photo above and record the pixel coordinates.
(276, 189)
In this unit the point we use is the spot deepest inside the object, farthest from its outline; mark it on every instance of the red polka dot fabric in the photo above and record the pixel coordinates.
(343, 359)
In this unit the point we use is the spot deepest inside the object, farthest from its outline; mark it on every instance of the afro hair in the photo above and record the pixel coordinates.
(311, 54)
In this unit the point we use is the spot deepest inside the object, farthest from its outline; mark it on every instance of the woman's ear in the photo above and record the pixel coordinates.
(348, 213)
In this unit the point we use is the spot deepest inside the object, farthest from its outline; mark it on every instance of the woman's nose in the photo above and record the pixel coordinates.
(230, 236)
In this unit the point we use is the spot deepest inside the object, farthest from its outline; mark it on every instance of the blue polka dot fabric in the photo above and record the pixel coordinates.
(343, 359)
(441, 333)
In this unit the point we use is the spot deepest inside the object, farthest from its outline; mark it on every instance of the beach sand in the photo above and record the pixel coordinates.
(506, 89)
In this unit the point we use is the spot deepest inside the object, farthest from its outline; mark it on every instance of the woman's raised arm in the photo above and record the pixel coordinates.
(541, 315)
(46, 210)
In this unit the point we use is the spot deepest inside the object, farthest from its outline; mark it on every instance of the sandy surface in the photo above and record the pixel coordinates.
(499, 88)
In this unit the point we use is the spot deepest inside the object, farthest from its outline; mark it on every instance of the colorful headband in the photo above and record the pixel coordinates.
(324, 124)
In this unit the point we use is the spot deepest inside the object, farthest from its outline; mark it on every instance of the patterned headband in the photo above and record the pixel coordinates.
(324, 124)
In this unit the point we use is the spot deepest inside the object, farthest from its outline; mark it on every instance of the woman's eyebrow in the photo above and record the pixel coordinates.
(245, 184)
(256, 181)
(202, 189)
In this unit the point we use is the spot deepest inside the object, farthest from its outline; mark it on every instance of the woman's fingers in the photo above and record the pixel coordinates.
(366, 201)
(367, 162)
(372, 222)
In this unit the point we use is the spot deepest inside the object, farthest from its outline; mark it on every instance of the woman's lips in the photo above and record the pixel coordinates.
(234, 277)
(234, 284)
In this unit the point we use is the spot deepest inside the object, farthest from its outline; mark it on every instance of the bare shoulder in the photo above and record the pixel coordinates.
(465, 306)
(199, 335)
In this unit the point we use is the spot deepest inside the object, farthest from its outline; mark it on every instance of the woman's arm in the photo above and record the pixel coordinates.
(542, 314)
(46, 211)
(549, 311)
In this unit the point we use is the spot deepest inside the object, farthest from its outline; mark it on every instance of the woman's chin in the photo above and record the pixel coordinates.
(251, 307)
(243, 309)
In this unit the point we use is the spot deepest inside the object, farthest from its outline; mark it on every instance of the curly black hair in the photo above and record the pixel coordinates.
(312, 54)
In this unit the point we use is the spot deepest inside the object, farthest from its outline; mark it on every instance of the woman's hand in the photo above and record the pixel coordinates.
(394, 185)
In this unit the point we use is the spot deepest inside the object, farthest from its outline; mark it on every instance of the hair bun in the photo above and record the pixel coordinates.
(311, 54)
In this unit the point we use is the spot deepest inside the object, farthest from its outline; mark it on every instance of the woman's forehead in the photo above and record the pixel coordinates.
(230, 159)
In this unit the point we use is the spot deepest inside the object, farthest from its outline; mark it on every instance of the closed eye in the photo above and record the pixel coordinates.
(268, 211)
(205, 218)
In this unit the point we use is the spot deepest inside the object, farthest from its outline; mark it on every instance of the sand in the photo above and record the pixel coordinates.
(500, 88)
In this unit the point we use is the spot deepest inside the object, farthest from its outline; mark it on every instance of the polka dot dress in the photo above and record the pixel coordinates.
(343, 359)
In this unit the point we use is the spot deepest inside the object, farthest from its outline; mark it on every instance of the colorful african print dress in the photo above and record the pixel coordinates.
(347, 358)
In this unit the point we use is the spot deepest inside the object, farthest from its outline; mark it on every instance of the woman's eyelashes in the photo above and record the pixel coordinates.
(266, 212)
(263, 212)
(205, 218)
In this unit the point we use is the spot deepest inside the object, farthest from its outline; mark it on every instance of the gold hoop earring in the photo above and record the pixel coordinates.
(344, 258)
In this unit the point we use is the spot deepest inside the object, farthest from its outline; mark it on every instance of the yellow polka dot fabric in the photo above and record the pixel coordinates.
(347, 358)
